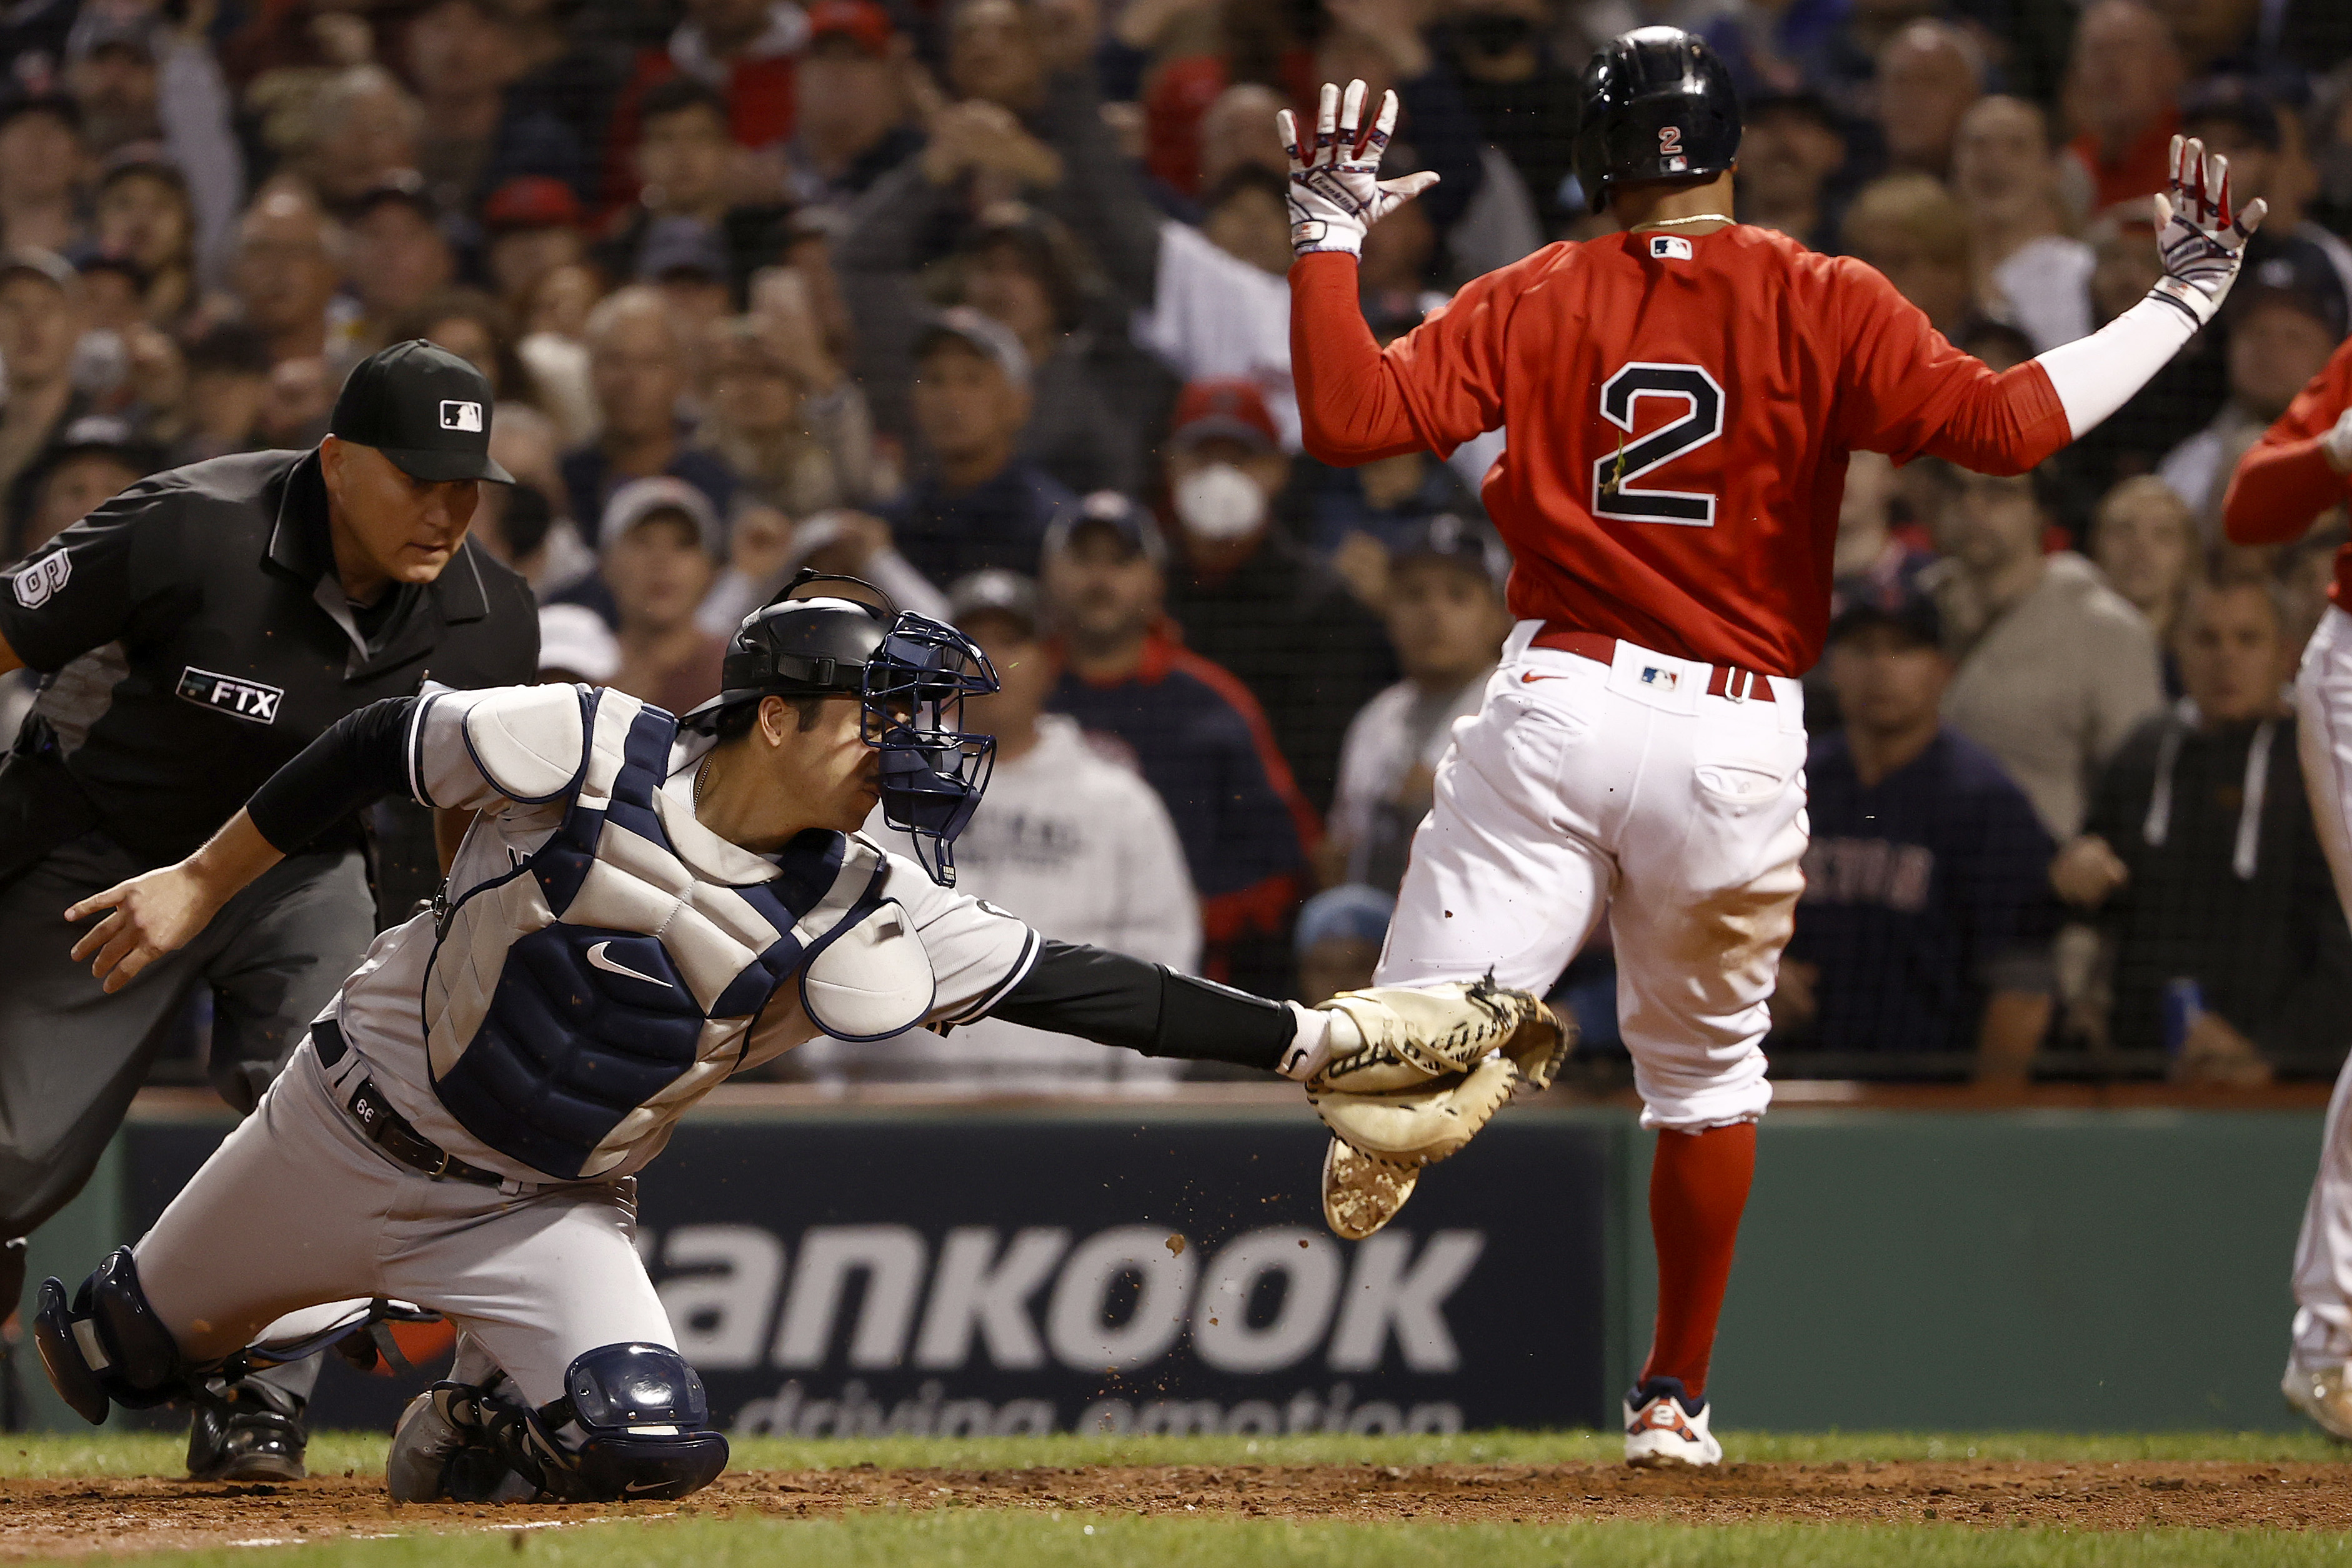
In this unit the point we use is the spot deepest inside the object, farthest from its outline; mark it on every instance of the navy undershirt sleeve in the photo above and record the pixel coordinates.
(1114, 1000)
(361, 759)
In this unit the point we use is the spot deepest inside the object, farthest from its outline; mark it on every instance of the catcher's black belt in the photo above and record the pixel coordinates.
(389, 1131)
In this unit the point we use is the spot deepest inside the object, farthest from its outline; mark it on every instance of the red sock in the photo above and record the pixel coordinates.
(1698, 1185)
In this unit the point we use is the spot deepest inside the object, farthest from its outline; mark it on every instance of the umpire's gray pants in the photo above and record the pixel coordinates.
(71, 1056)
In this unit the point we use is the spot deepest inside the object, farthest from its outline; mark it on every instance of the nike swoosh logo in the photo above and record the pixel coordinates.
(1531, 678)
(596, 960)
(633, 1488)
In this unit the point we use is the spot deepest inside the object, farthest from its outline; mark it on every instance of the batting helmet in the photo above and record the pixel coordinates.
(910, 675)
(1655, 104)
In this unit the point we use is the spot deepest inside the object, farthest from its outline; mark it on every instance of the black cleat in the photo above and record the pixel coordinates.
(246, 1431)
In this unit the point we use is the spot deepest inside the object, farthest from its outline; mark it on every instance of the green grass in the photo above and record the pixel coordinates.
(101, 1453)
(885, 1540)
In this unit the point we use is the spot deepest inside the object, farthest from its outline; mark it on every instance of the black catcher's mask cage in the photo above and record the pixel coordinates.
(933, 770)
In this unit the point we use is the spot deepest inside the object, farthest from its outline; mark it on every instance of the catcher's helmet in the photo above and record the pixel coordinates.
(910, 675)
(1655, 104)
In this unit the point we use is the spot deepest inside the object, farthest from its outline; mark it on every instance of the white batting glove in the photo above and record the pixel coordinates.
(2338, 443)
(2201, 242)
(1335, 191)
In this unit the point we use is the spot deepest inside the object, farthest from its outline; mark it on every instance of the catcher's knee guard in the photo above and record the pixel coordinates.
(108, 1347)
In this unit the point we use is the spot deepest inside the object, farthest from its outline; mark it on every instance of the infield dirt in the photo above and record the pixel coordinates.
(66, 1517)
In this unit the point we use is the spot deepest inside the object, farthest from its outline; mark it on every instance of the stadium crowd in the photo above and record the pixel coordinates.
(983, 300)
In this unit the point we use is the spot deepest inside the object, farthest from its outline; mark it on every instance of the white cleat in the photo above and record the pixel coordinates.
(1666, 1429)
(2324, 1394)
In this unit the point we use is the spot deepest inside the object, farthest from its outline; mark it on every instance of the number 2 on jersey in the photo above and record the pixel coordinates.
(1612, 475)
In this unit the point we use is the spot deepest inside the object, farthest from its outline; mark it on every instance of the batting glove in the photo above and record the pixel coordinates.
(2201, 242)
(1337, 191)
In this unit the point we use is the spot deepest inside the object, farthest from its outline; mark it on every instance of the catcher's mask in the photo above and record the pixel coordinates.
(910, 675)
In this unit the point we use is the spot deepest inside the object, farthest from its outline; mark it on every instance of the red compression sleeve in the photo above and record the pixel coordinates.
(1699, 1188)
(1350, 408)
(2005, 424)
(2278, 489)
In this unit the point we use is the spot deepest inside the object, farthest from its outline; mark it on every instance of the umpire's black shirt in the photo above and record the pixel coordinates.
(196, 636)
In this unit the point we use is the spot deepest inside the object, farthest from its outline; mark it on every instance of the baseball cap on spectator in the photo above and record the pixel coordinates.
(114, 25)
(46, 264)
(2235, 100)
(983, 335)
(573, 640)
(1803, 103)
(403, 185)
(2297, 273)
(638, 499)
(1906, 610)
(531, 201)
(105, 435)
(25, 100)
(1227, 408)
(862, 22)
(673, 245)
(1114, 513)
(1463, 541)
(1351, 912)
(994, 592)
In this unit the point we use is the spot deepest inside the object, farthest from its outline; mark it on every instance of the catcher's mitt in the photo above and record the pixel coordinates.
(1436, 1064)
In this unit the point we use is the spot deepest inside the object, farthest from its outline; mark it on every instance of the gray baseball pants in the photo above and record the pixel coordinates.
(296, 1208)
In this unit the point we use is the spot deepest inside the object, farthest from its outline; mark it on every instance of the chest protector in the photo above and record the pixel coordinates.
(577, 1005)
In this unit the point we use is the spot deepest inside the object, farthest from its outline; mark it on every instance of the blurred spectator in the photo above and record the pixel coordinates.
(1514, 81)
(683, 260)
(464, 55)
(637, 366)
(528, 525)
(470, 325)
(2027, 271)
(1447, 621)
(92, 460)
(2283, 320)
(2000, 345)
(661, 554)
(2121, 80)
(1871, 563)
(1791, 145)
(363, 129)
(1910, 228)
(2305, 571)
(43, 165)
(743, 52)
(1068, 838)
(1196, 733)
(850, 107)
(2148, 547)
(142, 217)
(532, 225)
(783, 415)
(681, 156)
(1252, 600)
(1238, 131)
(41, 320)
(1220, 309)
(1928, 74)
(2237, 119)
(575, 647)
(1089, 389)
(286, 272)
(228, 380)
(976, 502)
(1245, 215)
(2054, 667)
(1338, 937)
(1925, 923)
(2200, 858)
(297, 402)
(142, 79)
(397, 253)
(1384, 503)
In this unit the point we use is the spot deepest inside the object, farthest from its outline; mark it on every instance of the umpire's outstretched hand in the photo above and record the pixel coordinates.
(161, 910)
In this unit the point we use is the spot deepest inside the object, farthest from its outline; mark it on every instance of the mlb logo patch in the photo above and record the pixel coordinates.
(1669, 248)
(457, 415)
(1664, 680)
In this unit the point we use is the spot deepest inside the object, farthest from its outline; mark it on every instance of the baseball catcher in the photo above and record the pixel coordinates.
(643, 905)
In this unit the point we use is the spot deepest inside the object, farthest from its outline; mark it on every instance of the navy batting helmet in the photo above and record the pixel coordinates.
(1655, 104)
(910, 675)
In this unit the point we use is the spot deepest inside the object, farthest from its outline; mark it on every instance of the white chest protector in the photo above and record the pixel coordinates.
(578, 1004)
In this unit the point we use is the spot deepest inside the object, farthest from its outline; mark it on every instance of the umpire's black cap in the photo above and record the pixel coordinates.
(422, 407)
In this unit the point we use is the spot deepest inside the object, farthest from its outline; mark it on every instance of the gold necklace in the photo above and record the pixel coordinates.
(1670, 223)
(701, 772)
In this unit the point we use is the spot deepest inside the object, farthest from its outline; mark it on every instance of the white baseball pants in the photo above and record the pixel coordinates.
(296, 1208)
(2323, 1253)
(1580, 787)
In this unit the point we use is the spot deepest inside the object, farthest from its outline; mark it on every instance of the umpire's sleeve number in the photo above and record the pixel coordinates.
(1614, 473)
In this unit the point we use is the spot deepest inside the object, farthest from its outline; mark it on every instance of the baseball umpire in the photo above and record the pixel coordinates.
(196, 632)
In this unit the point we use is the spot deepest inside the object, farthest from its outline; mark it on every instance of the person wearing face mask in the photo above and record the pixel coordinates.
(1250, 598)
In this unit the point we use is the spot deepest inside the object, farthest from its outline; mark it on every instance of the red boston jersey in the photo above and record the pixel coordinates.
(1679, 410)
(2285, 480)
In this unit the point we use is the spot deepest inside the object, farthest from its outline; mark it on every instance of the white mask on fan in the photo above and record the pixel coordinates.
(1220, 502)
